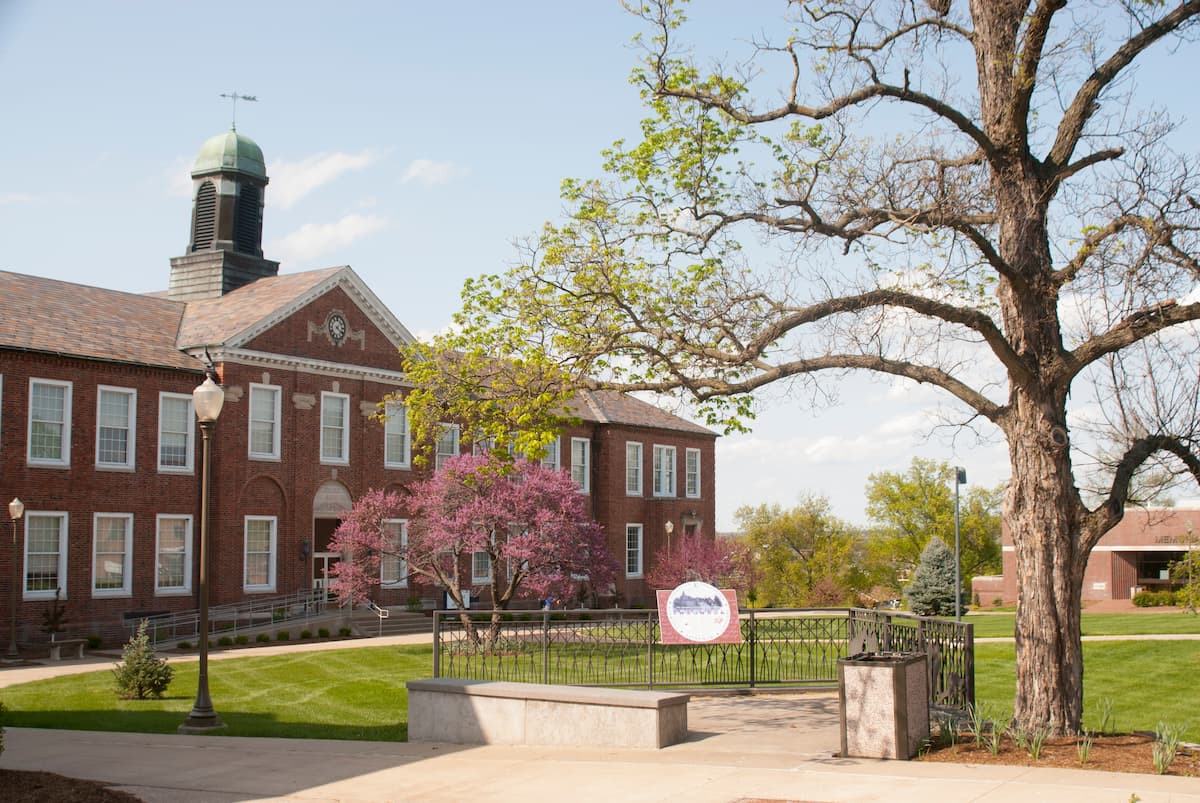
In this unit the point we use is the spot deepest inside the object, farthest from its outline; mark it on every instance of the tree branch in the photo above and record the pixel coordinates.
(1138, 326)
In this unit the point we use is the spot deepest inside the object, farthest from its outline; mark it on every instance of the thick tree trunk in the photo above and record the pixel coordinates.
(1043, 513)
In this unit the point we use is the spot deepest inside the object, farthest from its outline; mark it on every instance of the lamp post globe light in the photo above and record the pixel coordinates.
(207, 400)
(16, 509)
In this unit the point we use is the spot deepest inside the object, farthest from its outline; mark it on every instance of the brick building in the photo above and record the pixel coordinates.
(1134, 555)
(99, 440)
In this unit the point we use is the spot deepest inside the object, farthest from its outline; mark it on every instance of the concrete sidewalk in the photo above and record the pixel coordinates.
(773, 747)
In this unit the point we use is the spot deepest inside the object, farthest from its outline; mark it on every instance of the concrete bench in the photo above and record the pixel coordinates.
(71, 644)
(494, 712)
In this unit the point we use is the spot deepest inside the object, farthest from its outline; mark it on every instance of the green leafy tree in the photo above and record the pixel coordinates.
(966, 194)
(806, 557)
(909, 508)
(1187, 571)
(931, 592)
(141, 674)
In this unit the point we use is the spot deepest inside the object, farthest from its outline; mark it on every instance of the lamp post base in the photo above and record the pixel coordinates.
(201, 722)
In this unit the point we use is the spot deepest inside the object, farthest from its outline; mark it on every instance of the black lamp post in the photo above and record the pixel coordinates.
(207, 400)
(960, 478)
(15, 510)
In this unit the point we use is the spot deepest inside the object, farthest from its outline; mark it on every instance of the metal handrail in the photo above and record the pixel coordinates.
(382, 613)
(232, 618)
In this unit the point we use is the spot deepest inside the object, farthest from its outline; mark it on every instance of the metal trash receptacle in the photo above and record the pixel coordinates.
(883, 704)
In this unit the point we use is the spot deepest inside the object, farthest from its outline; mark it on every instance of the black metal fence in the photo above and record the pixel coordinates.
(620, 647)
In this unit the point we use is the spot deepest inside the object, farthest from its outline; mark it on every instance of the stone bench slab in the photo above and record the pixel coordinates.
(496, 712)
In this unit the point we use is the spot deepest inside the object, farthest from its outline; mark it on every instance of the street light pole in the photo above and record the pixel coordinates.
(960, 478)
(207, 400)
(15, 510)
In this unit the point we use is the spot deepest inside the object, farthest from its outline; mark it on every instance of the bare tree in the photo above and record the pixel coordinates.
(962, 194)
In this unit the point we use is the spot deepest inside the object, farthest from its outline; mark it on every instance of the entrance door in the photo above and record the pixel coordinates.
(323, 559)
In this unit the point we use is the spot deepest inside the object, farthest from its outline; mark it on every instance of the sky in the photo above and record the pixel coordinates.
(413, 141)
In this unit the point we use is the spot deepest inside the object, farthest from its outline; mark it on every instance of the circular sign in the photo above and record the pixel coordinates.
(698, 611)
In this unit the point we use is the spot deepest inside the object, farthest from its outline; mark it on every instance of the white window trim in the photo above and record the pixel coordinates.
(407, 462)
(127, 559)
(641, 462)
(273, 561)
(403, 581)
(65, 460)
(585, 486)
(689, 492)
(276, 435)
(477, 579)
(665, 493)
(438, 456)
(641, 551)
(186, 588)
(63, 530)
(190, 447)
(344, 399)
(130, 423)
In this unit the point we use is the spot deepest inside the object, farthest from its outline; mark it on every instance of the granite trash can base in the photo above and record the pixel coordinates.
(883, 704)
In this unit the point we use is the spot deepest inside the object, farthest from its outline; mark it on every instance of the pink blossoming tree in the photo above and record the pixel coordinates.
(721, 563)
(525, 526)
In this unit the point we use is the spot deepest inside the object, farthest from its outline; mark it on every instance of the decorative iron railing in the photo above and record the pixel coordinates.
(620, 647)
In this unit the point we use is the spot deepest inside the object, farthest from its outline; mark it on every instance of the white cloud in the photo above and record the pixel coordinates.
(292, 181)
(315, 239)
(430, 173)
(15, 198)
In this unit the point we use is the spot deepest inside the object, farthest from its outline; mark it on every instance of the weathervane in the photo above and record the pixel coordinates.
(235, 97)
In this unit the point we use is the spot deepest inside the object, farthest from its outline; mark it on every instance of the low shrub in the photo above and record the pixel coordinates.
(242, 639)
(345, 632)
(141, 674)
(283, 635)
(305, 634)
(262, 637)
(94, 642)
(184, 645)
(323, 632)
(1154, 599)
(225, 641)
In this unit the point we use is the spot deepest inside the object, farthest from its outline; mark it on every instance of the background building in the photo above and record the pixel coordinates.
(99, 440)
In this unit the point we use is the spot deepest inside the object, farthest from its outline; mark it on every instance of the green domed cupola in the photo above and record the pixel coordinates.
(231, 152)
(229, 180)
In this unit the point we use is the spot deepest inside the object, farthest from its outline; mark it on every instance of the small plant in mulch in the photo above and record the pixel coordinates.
(283, 635)
(141, 674)
(262, 638)
(323, 632)
(345, 632)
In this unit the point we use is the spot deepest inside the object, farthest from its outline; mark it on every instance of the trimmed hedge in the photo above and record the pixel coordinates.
(1155, 599)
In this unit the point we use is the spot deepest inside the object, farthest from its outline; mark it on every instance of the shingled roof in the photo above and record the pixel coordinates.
(220, 320)
(612, 407)
(56, 317)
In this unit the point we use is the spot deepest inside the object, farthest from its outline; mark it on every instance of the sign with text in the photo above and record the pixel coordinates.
(698, 613)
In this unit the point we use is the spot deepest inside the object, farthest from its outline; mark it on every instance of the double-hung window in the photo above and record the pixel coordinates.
(259, 567)
(173, 555)
(550, 456)
(264, 422)
(335, 428)
(633, 468)
(393, 570)
(664, 470)
(49, 423)
(396, 447)
(112, 554)
(45, 554)
(447, 444)
(481, 567)
(691, 473)
(581, 459)
(633, 550)
(176, 442)
(116, 432)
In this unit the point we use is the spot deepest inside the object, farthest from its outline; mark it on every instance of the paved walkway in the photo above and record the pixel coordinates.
(769, 747)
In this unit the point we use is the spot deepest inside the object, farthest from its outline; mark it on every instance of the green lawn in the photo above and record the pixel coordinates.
(359, 693)
(1098, 624)
(340, 694)
(1146, 681)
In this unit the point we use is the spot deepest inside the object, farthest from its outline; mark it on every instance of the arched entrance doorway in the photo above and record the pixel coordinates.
(331, 502)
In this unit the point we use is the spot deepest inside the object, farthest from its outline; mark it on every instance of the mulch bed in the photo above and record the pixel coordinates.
(1128, 752)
